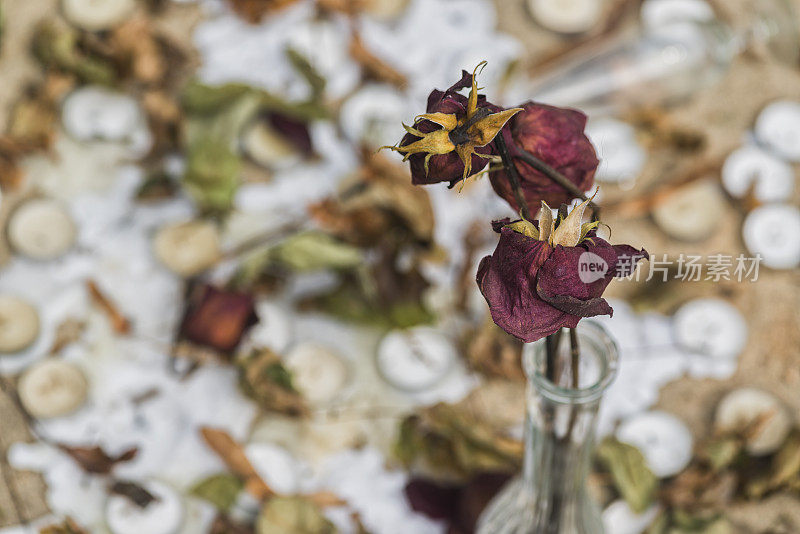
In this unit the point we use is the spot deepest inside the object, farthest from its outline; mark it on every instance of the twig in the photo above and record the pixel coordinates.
(575, 353)
(554, 175)
(513, 175)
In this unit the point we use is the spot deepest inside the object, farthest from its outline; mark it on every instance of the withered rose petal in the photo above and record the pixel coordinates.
(507, 280)
(293, 130)
(556, 136)
(573, 279)
(431, 498)
(534, 289)
(217, 318)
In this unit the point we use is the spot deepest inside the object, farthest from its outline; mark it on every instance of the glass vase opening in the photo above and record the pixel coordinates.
(550, 496)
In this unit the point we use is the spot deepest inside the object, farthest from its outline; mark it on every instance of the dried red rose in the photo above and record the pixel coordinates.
(217, 318)
(555, 136)
(452, 139)
(547, 277)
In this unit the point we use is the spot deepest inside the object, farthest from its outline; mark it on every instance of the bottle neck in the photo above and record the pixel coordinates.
(559, 441)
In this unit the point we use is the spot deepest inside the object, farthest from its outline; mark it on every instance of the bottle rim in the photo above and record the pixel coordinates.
(593, 337)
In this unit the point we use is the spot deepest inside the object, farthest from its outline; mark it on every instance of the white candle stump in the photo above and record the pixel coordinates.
(664, 440)
(771, 178)
(620, 519)
(691, 213)
(659, 13)
(164, 515)
(97, 15)
(187, 248)
(19, 324)
(773, 231)
(371, 115)
(41, 229)
(566, 16)
(95, 113)
(415, 359)
(318, 372)
(621, 156)
(740, 409)
(52, 388)
(711, 327)
(778, 128)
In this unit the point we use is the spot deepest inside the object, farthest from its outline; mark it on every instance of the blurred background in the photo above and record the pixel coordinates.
(222, 310)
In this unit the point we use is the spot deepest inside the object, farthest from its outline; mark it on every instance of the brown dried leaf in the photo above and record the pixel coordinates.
(254, 11)
(225, 525)
(95, 460)
(133, 492)
(119, 322)
(68, 526)
(266, 380)
(135, 45)
(374, 67)
(68, 332)
(494, 353)
(232, 453)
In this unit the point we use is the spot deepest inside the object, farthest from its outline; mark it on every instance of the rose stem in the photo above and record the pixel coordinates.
(553, 174)
(575, 352)
(513, 177)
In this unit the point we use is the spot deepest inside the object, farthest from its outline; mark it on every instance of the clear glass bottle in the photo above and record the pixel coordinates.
(551, 496)
(666, 64)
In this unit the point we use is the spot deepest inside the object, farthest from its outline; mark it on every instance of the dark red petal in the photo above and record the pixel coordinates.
(437, 501)
(507, 280)
(554, 135)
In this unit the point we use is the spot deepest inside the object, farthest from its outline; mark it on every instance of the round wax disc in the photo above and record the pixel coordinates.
(19, 324)
(96, 15)
(41, 229)
(778, 128)
(710, 326)
(52, 388)
(164, 515)
(621, 156)
(566, 16)
(691, 213)
(665, 441)
(657, 13)
(745, 408)
(188, 248)
(773, 231)
(416, 358)
(92, 113)
(319, 372)
(771, 178)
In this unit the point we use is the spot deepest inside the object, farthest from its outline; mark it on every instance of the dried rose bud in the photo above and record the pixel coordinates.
(555, 136)
(217, 318)
(543, 278)
(452, 138)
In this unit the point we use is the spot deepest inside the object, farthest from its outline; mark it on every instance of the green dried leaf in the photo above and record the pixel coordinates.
(786, 463)
(303, 67)
(629, 471)
(212, 174)
(684, 522)
(723, 452)
(450, 439)
(201, 99)
(57, 47)
(309, 251)
(266, 380)
(292, 515)
(220, 490)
